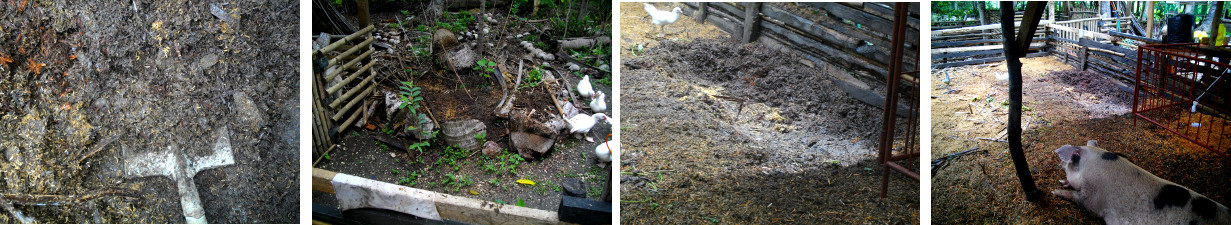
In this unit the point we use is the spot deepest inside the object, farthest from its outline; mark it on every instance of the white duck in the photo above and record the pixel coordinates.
(599, 102)
(604, 150)
(581, 124)
(584, 87)
(662, 18)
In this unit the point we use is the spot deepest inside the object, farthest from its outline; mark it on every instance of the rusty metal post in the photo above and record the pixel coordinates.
(892, 80)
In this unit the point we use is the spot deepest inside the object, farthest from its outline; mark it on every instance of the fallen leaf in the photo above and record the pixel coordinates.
(525, 181)
(474, 192)
(370, 127)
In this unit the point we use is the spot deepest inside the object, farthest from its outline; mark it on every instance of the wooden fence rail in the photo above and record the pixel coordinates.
(834, 33)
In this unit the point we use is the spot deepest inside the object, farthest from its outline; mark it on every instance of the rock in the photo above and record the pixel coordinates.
(461, 57)
(208, 61)
(248, 112)
(443, 39)
(492, 148)
(574, 187)
(392, 101)
(461, 133)
(426, 128)
(523, 122)
(530, 146)
(569, 109)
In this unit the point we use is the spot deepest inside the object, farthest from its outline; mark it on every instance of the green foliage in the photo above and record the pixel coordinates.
(410, 179)
(606, 80)
(456, 23)
(457, 182)
(485, 68)
(451, 156)
(533, 78)
(591, 56)
(419, 146)
(481, 137)
(327, 156)
(505, 162)
(411, 100)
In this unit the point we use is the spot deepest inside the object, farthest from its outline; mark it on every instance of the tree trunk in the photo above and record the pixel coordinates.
(1215, 19)
(1149, 19)
(982, 8)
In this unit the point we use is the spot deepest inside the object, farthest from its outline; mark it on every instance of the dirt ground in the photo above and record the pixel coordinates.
(448, 99)
(150, 76)
(1062, 106)
(637, 29)
(792, 153)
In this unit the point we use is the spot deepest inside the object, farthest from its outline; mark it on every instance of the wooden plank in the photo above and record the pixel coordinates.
(965, 43)
(1135, 37)
(872, 22)
(831, 54)
(886, 11)
(990, 52)
(976, 28)
(829, 30)
(322, 180)
(1095, 44)
(980, 61)
(447, 207)
(978, 48)
(1077, 31)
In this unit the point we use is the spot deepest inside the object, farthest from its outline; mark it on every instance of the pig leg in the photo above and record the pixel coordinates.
(1064, 194)
(1066, 184)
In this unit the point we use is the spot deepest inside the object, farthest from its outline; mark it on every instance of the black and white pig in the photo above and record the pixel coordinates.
(1115, 189)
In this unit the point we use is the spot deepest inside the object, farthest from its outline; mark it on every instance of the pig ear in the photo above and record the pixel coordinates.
(1092, 143)
(1067, 152)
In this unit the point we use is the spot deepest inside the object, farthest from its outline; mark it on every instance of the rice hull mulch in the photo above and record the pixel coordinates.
(1064, 106)
(155, 76)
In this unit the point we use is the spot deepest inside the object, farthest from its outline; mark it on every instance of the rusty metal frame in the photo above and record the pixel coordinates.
(889, 122)
(1167, 78)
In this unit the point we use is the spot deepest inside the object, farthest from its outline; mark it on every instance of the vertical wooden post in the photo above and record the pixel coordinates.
(1149, 19)
(1014, 49)
(364, 19)
(1051, 11)
(1085, 55)
(702, 11)
(750, 20)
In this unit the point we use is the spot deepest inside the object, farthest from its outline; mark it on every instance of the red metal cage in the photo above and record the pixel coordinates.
(1185, 90)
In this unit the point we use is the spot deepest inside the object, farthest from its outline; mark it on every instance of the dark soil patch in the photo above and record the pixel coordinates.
(154, 75)
(694, 155)
(983, 187)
